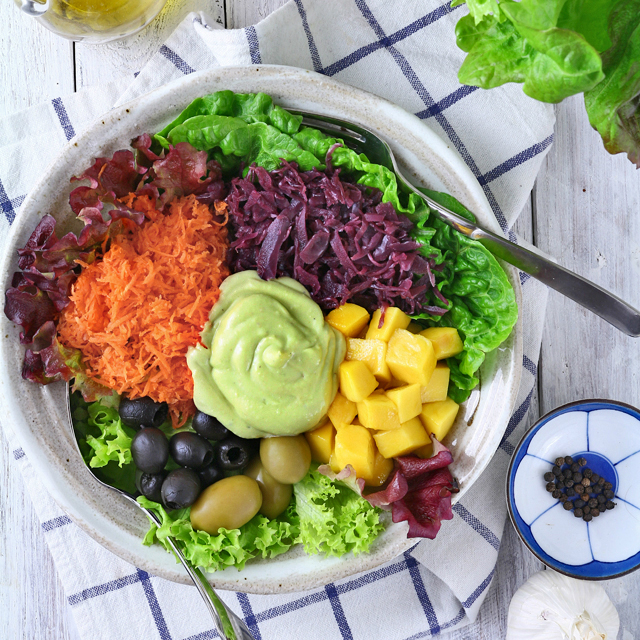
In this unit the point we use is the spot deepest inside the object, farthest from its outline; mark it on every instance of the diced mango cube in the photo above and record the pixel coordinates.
(411, 357)
(382, 467)
(356, 381)
(355, 446)
(415, 327)
(446, 341)
(341, 410)
(400, 442)
(321, 441)
(378, 412)
(373, 353)
(407, 399)
(436, 389)
(349, 319)
(333, 463)
(394, 319)
(438, 417)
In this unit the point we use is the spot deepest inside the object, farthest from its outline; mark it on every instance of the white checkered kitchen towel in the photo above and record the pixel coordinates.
(404, 51)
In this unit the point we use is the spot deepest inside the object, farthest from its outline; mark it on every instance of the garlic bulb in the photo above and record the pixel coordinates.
(551, 606)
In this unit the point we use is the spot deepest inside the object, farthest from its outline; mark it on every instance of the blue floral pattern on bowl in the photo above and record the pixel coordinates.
(607, 435)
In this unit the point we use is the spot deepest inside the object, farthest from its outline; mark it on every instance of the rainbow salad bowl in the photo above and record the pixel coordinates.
(607, 435)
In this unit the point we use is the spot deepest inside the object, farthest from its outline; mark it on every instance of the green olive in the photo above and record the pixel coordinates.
(229, 503)
(286, 458)
(275, 495)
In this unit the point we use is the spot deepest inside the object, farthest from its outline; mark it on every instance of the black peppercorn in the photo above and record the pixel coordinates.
(551, 487)
(577, 477)
(597, 489)
(560, 484)
(587, 473)
(602, 508)
(571, 492)
(601, 480)
(585, 497)
(567, 473)
(587, 517)
(595, 513)
(569, 483)
(549, 477)
(594, 478)
(607, 485)
(563, 498)
(568, 460)
(579, 503)
(567, 505)
(578, 513)
(559, 462)
(585, 482)
(601, 499)
(593, 503)
(610, 504)
(582, 462)
(575, 467)
(556, 493)
(608, 494)
(556, 471)
(586, 509)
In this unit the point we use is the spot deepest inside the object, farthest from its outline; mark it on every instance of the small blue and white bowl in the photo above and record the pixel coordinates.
(607, 434)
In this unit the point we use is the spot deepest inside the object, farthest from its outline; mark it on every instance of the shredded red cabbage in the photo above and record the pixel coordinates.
(336, 238)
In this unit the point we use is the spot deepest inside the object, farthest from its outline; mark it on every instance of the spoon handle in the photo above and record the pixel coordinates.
(228, 624)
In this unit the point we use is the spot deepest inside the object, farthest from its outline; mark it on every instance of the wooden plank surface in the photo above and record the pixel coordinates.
(595, 231)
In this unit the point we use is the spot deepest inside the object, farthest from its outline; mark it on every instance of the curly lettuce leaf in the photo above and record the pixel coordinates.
(114, 441)
(531, 42)
(260, 537)
(613, 106)
(334, 519)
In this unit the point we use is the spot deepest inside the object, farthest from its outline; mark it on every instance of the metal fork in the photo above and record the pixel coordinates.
(592, 297)
(228, 625)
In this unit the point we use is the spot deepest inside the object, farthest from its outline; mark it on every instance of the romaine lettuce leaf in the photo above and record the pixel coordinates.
(613, 106)
(529, 43)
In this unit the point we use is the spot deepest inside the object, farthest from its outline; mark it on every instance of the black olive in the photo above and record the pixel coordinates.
(180, 489)
(150, 450)
(190, 450)
(142, 412)
(209, 427)
(233, 453)
(209, 475)
(150, 484)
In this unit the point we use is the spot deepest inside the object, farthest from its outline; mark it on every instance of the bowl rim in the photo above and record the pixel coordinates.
(209, 80)
(595, 404)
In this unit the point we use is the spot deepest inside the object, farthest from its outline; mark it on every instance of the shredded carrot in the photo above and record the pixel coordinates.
(135, 312)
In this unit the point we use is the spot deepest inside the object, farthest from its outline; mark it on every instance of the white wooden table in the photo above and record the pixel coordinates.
(584, 210)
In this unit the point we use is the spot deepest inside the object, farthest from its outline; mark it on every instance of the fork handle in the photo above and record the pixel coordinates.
(604, 304)
(228, 625)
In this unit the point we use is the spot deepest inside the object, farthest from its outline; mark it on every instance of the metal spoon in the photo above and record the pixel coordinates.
(609, 307)
(228, 624)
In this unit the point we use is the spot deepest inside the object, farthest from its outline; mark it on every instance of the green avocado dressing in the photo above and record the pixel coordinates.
(269, 363)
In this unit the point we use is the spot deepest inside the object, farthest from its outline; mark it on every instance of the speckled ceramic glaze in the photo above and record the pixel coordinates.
(38, 413)
(607, 435)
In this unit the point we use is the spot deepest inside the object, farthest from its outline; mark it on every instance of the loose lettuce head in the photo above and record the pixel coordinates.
(558, 48)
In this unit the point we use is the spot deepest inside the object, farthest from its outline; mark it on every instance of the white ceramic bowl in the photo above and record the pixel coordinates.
(38, 413)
